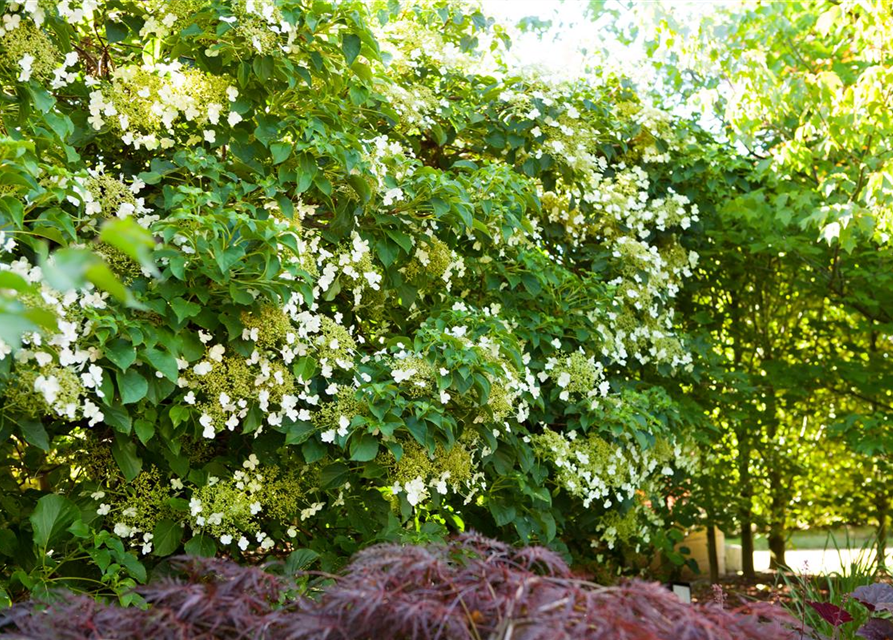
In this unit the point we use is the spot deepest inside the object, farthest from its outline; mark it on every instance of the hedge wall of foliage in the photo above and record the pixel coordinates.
(288, 278)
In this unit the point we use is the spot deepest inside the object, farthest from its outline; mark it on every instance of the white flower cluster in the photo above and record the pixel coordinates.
(71, 11)
(386, 158)
(259, 21)
(597, 471)
(30, 7)
(353, 268)
(621, 213)
(146, 102)
(625, 198)
(625, 216)
(408, 48)
(96, 206)
(229, 508)
(67, 375)
(7, 242)
(418, 490)
(64, 76)
(577, 375)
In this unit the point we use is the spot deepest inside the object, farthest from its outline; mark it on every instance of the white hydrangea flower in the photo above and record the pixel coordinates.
(25, 64)
(203, 368)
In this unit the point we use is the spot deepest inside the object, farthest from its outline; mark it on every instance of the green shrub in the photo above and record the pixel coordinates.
(383, 273)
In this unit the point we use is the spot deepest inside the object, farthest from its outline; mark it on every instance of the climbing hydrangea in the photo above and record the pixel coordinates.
(327, 273)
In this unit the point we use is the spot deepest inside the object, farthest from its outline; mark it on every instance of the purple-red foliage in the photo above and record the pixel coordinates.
(876, 629)
(209, 599)
(831, 613)
(470, 589)
(875, 596)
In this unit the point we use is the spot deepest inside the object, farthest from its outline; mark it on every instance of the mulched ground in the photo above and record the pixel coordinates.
(765, 586)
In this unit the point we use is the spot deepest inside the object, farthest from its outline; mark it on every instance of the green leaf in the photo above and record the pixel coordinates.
(115, 31)
(263, 67)
(121, 353)
(323, 184)
(144, 429)
(239, 294)
(360, 185)
(344, 221)
(313, 451)
(503, 512)
(280, 152)
(166, 537)
(9, 543)
(299, 559)
(117, 417)
(41, 97)
(10, 280)
(229, 257)
(334, 475)
(201, 545)
(184, 309)
(496, 139)
(79, 529)
(124, 452)
(350, 47)
(67, 269)
(35, 434)
(307, 169)
(51, 517)
(134, 567)
(465, 164)
(363, 447)
(164, 362)
(132, 386)
(400, 238)
(100, 275)
(179, 412)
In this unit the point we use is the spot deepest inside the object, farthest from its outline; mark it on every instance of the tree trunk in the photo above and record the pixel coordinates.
(881, 500)
(777, 517)
(776, 547)
(882, 504)
(747, 546)
(712, 557)
(745, 508)
(779, 484)
(776, 550)
(745, 482)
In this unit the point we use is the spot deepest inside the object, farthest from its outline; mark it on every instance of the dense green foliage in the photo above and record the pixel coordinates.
(324, 275)
(288, 278)
(795, 291)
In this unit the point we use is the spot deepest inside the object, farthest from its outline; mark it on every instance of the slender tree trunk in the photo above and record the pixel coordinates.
(881, 499)
(776, 550)
(712, 556)
(745, 508)
(882, 506)
(779, 485)
(745, 482)
(777, 523)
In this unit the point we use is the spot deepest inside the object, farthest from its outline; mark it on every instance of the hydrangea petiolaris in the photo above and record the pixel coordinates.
(363, 290)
